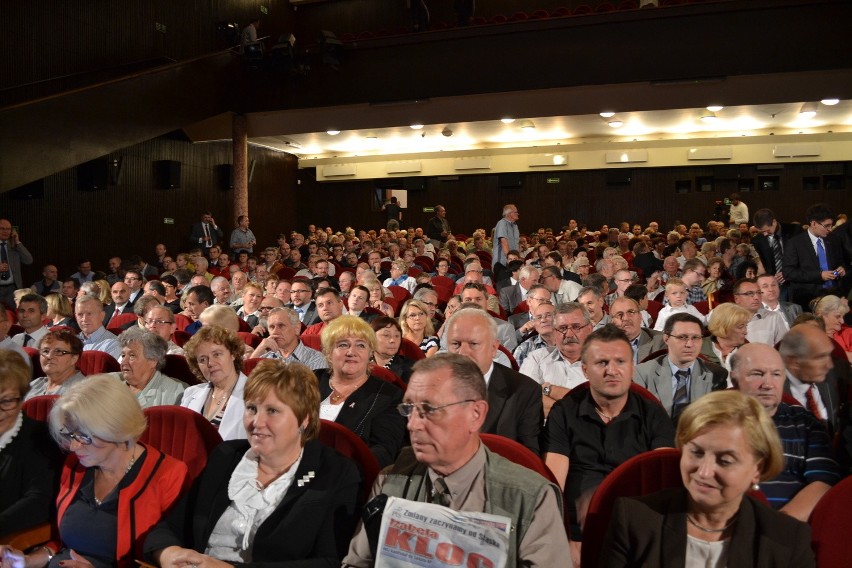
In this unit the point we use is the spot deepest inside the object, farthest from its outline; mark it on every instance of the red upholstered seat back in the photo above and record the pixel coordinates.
(116, 323)
(350, 445)
(38, 407)
(95, 362)
(183, 434)
(177, 367)
(830, 522)
(408, 348)
(387, 375)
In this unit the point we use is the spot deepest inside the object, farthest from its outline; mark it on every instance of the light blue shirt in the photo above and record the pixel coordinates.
(102, 340)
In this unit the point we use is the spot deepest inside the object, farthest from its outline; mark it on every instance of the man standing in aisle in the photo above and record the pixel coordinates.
(506, 238)
(12, 255)
(205, 233)
(738, 211)
(438, 228)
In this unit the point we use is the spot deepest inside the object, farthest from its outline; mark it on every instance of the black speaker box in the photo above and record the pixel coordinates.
(33, 190)
(510, 181)
(167, 174)
(619, 177)
(225, 173)
(93, 176)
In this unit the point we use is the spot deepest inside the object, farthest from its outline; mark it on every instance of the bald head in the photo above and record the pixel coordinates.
(758, 370)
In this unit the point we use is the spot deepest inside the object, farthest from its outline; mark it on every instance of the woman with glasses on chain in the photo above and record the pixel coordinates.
(113, 489)
(59, 352)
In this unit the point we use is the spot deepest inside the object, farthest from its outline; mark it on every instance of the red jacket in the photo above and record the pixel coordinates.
(141, 504)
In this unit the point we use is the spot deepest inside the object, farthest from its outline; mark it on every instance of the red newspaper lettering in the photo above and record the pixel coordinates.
(449, 553)
(421, 546)
(398, 539)
(478, 561)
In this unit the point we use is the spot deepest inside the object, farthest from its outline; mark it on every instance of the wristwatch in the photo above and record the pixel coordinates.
(545, 390)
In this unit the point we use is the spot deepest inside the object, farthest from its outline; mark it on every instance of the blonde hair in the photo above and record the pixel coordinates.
(737, 409)
(403, 317)
(675, 282)
(726, 317)
(101, 406)
(346, 326)
(222, 316)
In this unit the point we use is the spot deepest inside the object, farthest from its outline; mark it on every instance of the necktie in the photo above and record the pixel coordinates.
(777, 252)
(116, 312)
(27, 339)
(813, 406)
(206, 233)
(301, 313)
(441, 493)
(681, 394)
(635, 345)
(4, 258)
(823, 261)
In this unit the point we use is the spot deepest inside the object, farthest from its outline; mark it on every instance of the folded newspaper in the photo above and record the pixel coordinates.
(432, 536)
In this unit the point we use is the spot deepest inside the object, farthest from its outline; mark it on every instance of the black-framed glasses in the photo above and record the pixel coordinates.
(621, 315)
(9, 403)
(424, 409)
(684, 338)
(55, 352)
(575, 329)
(158, 322)
(266, 308)
(751, 294)
(69, 437)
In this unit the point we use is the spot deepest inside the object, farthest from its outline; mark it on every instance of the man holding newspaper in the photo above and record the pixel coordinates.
(448, 500)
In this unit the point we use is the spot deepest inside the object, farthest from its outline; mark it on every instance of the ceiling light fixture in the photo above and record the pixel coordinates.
(447, 132)
(615, 123)
(332, 132)
(830, 102)
(527, 126)
(507, 120)
(416, 126)
(607, 114)
(808, 110)
(708, 117)
(715, 108)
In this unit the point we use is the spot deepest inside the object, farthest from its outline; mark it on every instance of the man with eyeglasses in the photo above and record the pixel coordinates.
(524, 323)
(301, 302)
(679, 377)
(447, 463)
(626, 314)
(765, 326)
(813, 263)
(623, 279)
(133, 279)
(429, 297)
(559, 370)
(268, 304)
(161, 321)
(544, 336)
(593, 430)
(693, 275)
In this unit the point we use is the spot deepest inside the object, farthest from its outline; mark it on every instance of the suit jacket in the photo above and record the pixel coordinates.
(18, 255)
(197, 233)
(764, 250)
(514, 407)
(310, 316)
(28, 467)
(312, 523)
(802, 271)
(656, 376)
(651, 531)
(649, 342)
(830, 395)
(510, 297)
(109, 309)
(790, 312)
(371, 413)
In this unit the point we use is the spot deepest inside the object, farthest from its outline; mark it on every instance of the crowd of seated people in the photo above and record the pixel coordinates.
(610, 334)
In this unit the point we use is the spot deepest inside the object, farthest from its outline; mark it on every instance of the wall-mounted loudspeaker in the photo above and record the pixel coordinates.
(167, 174)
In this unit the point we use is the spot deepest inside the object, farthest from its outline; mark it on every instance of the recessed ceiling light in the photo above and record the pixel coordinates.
(715, 108)
(708, 117)
(507, 120)
(332, 132)
(527, 125)
(447, 132)
(616, 123)
(830, 102)
(416, 126)
(808, 110)
(607, 114)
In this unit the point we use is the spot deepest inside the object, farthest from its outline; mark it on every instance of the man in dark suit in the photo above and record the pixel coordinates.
(205, 233)
(514, 400)
(770, 243)
(626, 314)
(12, 255)
(806, 351)
(120, 302)
(511, 296)
(813, 264)
(679, 377)
(301, 302)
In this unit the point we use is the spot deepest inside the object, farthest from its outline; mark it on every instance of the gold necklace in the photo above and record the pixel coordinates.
(605, 417)
(337, 396)
(126, 471)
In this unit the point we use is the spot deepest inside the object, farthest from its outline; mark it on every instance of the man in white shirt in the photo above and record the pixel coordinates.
(32, 309)
(738, 212)
(771, 293)
(765, 326)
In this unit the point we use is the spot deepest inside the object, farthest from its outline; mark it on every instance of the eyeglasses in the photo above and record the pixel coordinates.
(751, 294)
(69, 437)
(537, 299)
(300, 291)
(54, 352)
(9, 403)
(158, 322)
(575, 329)
(266, 308)
(430, 304)
(543, 317)
(827, 225)
(686, 338)
(621, 315)
(424, 409)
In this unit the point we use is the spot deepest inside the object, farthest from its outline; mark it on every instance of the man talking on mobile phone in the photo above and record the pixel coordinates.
(12, 254)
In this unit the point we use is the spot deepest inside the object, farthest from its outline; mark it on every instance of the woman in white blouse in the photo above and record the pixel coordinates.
(279, 498)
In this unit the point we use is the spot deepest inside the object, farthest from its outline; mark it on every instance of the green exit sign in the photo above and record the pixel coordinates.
(428, 209)
(552, 180)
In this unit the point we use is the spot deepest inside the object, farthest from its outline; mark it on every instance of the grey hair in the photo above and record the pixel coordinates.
(291, 315)
(154, 347)
(794, 345)
(467, 378)
(91, 289)
(468, 309)
(571, 307)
